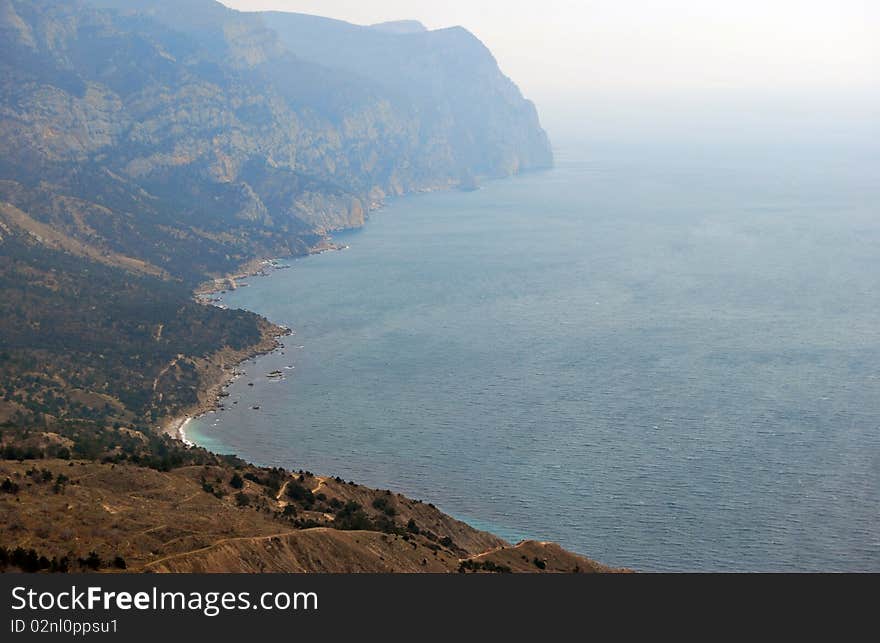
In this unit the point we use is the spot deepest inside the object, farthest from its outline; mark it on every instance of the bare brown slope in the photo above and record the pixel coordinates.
(331, 551)
(230, 518)
(137, 513)
(53, 237)
(425, 516)
(313, 550)
(175, 521)
(534, 556)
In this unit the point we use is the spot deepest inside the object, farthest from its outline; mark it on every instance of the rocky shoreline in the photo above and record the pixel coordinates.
(220, 369)
(216, 373)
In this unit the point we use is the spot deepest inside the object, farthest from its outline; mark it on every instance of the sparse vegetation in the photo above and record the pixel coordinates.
(91, 562)
(95, 441)
(115, 513)
(299, 494)
(383, 504)
(28, 560)
(8, 486)
(353, 517)
(474, 566)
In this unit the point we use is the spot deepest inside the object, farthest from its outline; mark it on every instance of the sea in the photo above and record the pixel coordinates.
(662, 358)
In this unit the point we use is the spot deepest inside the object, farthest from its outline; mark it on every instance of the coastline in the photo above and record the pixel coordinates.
(205, 293)
(176, 428)
(259, 267)
(220, 369)
(212, 394)
(216, 372)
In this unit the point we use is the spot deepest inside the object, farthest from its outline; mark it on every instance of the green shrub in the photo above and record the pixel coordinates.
(353, 517)
(297, 492)
(8, 486)
(92, 561)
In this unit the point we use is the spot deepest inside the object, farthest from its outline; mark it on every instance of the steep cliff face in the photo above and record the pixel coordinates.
(357, 113)
(470, 114)
(177, 140)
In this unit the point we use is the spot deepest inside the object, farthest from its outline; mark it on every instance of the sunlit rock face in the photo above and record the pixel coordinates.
(250, 132)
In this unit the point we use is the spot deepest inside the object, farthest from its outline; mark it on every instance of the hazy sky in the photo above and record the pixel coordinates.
(655, 50)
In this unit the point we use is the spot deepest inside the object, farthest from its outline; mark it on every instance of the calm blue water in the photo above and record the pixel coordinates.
(660, 358)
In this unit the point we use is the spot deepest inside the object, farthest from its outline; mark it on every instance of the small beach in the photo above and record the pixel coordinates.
(177, 429)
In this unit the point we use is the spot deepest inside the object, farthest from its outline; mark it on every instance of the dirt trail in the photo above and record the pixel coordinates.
(281, 491)
(491, 550)
(321, 482)
(251, 539)
(171, 365)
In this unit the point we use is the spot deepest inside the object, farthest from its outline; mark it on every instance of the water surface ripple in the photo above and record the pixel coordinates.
(660, 361)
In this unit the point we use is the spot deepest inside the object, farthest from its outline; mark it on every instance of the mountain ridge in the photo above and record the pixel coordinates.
(149, 146)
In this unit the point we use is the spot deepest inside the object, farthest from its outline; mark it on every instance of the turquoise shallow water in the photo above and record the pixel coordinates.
(659, 358)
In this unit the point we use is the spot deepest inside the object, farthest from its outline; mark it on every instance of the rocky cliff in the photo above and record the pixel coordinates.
(147, 146)
(148, 141)
(245, 130)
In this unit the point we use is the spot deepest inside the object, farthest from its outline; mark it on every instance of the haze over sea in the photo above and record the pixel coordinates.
(661, 358)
